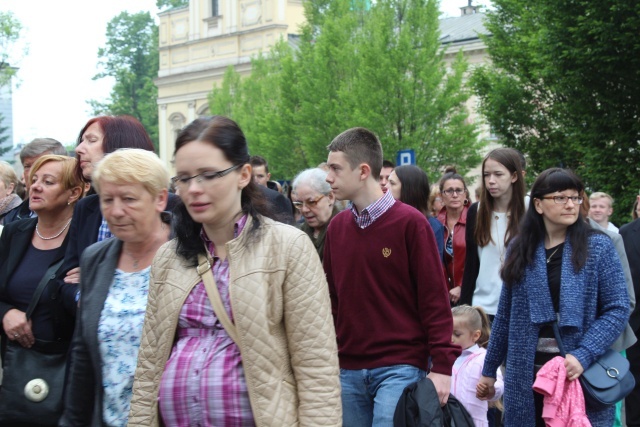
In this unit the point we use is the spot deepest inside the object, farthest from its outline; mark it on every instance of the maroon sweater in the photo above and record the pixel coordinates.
(389, 299)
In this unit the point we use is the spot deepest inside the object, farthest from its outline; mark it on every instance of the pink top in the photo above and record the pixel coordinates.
(563, 399)
(203, 383)
(465, 375)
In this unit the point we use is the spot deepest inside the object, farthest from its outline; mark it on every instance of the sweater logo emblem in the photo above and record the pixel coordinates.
(386, 252)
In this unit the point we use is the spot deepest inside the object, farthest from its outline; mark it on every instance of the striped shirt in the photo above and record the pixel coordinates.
(373, 211)
(203, 383)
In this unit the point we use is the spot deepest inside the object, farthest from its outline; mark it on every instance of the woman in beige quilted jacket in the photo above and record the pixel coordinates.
(238, 329)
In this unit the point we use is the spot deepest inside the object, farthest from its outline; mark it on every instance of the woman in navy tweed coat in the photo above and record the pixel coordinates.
(558, 268)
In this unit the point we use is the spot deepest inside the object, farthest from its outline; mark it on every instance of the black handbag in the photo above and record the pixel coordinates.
(607, 381)
(33, 378)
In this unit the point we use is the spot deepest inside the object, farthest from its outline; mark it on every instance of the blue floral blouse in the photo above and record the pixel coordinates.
(119, 333)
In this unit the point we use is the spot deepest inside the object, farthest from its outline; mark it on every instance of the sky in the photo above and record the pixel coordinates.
(54, 80)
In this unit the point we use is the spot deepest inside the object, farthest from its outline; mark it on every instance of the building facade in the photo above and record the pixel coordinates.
(199, 41)
(197, 44)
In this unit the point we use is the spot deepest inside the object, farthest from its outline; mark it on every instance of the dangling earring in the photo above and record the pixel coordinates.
(466, 202)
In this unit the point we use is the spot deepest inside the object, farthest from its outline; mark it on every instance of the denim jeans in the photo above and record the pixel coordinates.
(370, 396)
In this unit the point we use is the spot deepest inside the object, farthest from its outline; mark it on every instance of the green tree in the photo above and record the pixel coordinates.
(131, 58)
(10, 30)
(160, 4)
(258, 104)
(380, 66)
(564, 87)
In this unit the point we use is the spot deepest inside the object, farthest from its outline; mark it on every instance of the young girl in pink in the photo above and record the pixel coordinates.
(471, 332)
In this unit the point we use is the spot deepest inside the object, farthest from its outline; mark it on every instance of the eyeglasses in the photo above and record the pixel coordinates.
(309, 203)
(563, 200)
(208, 176)
(450, 191)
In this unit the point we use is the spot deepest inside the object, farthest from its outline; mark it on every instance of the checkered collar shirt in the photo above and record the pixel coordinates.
(373, 211)
(103, 232)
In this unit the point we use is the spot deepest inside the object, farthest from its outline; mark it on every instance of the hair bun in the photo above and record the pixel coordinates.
(450, 169)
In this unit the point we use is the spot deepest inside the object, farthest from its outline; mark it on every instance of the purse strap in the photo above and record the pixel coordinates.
(48, 275)
(556, 332)
(204, 270)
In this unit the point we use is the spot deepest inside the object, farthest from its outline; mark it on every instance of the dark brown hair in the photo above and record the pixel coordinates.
(226, 135)
(359, 145)
(510, 159)
(521, 252)
(415, 188)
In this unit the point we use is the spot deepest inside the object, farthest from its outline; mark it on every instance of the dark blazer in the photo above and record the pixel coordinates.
(60, 298)
(631, 236)
(85, 225)
(84, 394)
(20, 212)
(472, 260)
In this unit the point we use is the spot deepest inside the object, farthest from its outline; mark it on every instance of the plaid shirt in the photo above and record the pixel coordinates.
(373, 211)
(203, 383)
(103, 232)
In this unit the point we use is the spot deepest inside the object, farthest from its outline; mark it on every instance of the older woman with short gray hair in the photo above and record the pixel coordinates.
(313, 197)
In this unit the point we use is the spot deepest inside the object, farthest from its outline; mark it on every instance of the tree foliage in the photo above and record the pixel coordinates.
(160, 4)
(131, 58)
(564, 88)
(10, 29)
(379, 66)
(10, 54)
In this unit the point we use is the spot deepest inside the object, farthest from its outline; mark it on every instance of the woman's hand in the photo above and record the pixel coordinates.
(485, 389)
(17, 328)
(573, 367)
(73, 276)
(454, 294)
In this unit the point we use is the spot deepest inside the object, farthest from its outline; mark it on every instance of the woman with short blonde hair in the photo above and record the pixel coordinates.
(132, 185)
(128, 165)
(30, 250)
(8, 182)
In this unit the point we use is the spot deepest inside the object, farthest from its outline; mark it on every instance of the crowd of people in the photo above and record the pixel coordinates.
(221, 297)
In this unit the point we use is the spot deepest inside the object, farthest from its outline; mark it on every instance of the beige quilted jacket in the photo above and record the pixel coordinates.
(282, 313)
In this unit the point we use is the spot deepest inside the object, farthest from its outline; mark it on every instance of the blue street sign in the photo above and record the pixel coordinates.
(406, 157)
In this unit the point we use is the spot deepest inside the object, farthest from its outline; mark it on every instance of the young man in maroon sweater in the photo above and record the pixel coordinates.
(389, 298)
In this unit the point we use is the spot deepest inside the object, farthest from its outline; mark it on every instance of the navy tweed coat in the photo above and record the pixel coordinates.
(594, 308)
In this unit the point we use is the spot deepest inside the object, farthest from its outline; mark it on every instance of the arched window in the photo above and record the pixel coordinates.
(203, 111)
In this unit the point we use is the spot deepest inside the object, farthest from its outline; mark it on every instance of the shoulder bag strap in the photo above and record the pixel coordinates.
(48, 275)
(204, 270)
(556, 332)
